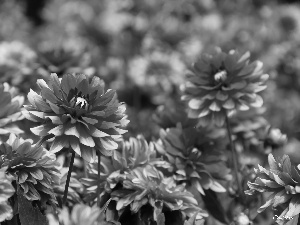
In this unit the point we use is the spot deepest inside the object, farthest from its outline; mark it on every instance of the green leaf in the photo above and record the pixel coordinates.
(28, 214)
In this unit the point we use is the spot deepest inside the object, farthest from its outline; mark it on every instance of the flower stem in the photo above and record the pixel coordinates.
(98, 188)
(234, 156)
(68, 179)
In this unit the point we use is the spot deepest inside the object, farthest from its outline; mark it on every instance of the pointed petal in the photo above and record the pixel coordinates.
(58, 144)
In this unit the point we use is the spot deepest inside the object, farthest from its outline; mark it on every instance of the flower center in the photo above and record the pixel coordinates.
(80, 102)
(220, 76)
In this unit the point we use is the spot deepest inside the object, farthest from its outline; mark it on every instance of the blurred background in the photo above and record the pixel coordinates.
(143, 48)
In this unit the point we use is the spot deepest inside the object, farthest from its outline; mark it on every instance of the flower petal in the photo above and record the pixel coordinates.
(58, 144)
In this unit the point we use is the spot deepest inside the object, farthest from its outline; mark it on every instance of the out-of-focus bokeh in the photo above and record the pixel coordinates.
(143, 48)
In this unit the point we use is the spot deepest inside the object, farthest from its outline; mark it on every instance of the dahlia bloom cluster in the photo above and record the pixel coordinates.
(221, 83)
(78, 113)
(131, 178)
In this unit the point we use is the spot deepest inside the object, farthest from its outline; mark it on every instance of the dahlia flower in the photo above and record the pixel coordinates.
(16, 60)
(6, 191)
(220, 83)
(16, 54)
(249, 129)
(287, 19)
(134, 153)
(33, 168)
(11, 104)
(78, 113)
(158, 73)
(282, 181)
(130, 177)
(275, 138)
(146, 185)
(195, 161)
(62, 59)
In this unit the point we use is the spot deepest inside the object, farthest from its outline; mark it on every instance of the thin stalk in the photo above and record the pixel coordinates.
(98, 188)
(234, 156)
(68, 179)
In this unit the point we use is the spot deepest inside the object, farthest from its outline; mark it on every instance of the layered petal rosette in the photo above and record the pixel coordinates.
(134, 153)
(220, 83)
(10, 104)
(194, 158)
(147, 186)
(78, 113)
(248, 125)
(282, 181)
(33, 168)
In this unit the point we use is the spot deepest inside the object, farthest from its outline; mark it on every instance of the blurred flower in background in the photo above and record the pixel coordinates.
(10, 103)
(157, 73)
(17, 63)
